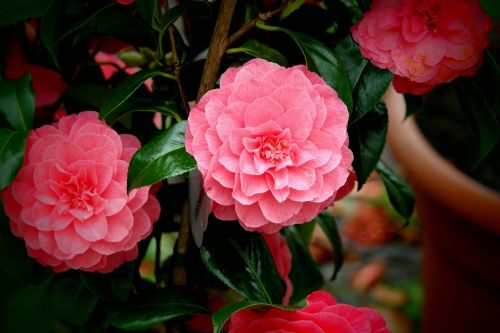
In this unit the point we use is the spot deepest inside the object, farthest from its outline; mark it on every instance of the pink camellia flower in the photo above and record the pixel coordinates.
(271, 144)
(69, 201)
(282, 259)
(424, 42)
(321, 314)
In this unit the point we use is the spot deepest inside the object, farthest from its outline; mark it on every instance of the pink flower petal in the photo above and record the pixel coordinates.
(93, 228)
(68, 241)
(119, 225)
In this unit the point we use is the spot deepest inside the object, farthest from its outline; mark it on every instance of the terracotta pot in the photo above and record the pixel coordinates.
(460, 221)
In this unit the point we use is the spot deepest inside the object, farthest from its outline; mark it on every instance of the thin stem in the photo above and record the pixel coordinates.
(218, 46)
(177, 65)
(179, 277)
(253, 22)
(157, 259)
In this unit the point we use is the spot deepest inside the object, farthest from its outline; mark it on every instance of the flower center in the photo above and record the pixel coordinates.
(430, 15)
(77, 194)
(274, 149)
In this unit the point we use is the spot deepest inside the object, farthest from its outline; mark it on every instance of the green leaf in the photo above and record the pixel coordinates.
(491, 7)
(221, 316)
(171, 16)
(242, 261)
(84, 23)
(141, 314)
(162, 157)
(91, 94)
(51, 25)
(12, 146)
(305, 274)
(148, 10)
(260, 50)
(14, 11)
(292, 6)
(347, 50)
(134, 104)
(367, 140)
(480, 114)
(125, 89)
(71, 300)
(17, 102)
(322, 60)
(115, 286)
(400, 193)
(371, 86)
(329, 226)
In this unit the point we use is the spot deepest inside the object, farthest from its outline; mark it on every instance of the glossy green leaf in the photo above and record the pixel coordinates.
(134, 104)
(12, 146)
(149, 11)
(260, 50)
(17, 102)
(305, 274)
(292, 6)
(115, 286)
(480, 113)
(329, 226)
(51, 26)
(347, 50)
(164, 156)
(113, 20)
(141, 314)
(492, 7)
(400, 193)
(91, 94)
(173, 14)
(322, 60)
(367, 140)
(221, 316)
(72, 302)
(242, 261)
(371, 86)
(84, 23)
(14, 11)
(125, 89)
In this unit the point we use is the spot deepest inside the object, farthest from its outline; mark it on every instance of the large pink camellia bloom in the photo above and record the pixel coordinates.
(423, 42)
(321, 314)
(271, 144)
(69, 201)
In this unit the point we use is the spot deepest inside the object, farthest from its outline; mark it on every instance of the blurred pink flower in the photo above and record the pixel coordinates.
(69, 201)
(271, 144)
(321, 314)
(282, 259)
(109, 61)
(125, 2)
(48, 84)
(424, 42)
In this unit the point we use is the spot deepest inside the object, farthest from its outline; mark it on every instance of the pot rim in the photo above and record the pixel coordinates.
(430, 172)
